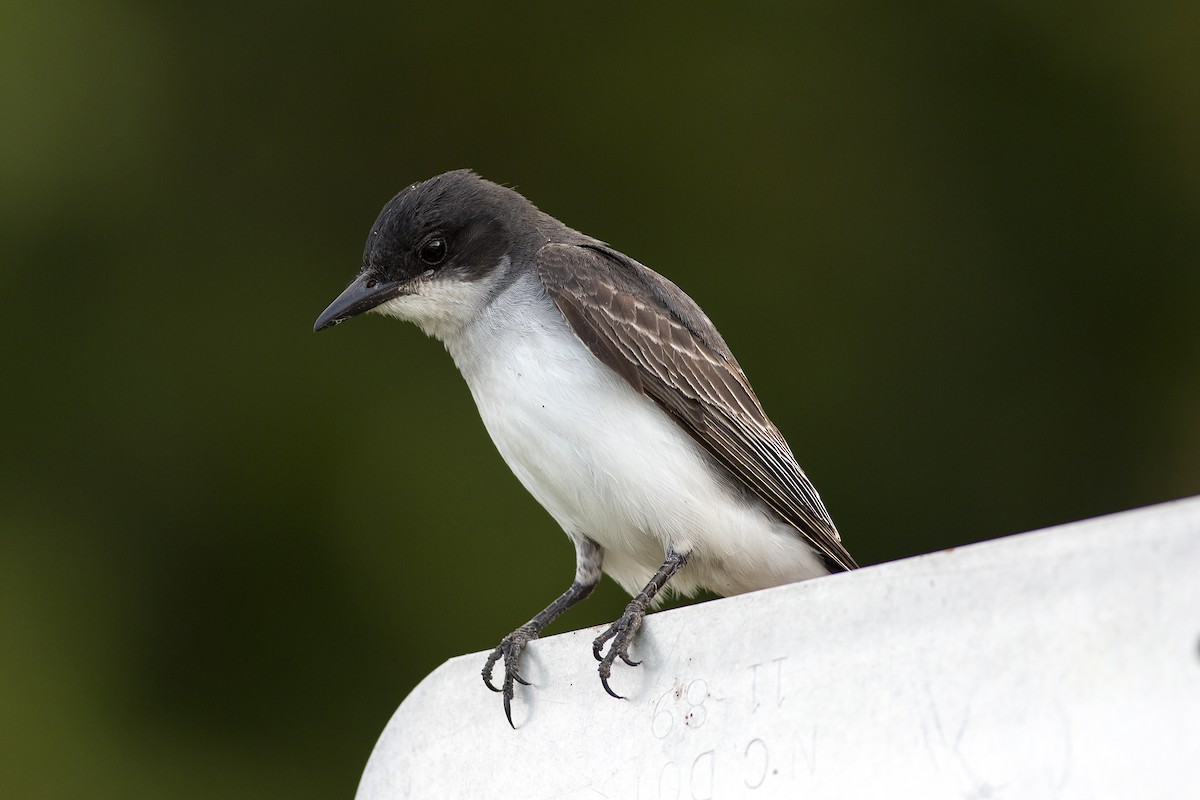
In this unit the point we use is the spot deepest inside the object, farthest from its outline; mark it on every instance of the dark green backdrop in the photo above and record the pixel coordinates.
(955, 246)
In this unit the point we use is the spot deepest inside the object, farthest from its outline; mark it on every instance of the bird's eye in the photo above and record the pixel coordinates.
(433, 252)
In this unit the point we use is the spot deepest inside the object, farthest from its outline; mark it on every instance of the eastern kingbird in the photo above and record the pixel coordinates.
(610, 395)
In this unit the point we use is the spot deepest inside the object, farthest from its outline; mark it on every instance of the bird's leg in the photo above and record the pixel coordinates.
(588, 558)
(623, 631)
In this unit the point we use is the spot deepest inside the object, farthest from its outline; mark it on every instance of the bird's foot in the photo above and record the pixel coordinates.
(509, 649)
(621, 633)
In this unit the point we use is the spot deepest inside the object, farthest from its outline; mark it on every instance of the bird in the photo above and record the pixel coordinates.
(610, 395)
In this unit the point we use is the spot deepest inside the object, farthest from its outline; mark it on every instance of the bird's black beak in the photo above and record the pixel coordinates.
(363, 294)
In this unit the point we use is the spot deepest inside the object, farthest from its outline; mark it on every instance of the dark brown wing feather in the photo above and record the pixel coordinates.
(652, 334)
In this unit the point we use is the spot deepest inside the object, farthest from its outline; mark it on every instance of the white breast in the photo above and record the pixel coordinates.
(607, 463)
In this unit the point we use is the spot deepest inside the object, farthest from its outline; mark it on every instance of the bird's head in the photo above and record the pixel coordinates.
(435, 252)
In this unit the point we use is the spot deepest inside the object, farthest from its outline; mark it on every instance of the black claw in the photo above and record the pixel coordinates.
(608, 688)
(625, 658)
(508, 711)
(598, 645)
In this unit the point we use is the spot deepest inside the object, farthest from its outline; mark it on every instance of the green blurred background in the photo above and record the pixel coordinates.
(955, 246)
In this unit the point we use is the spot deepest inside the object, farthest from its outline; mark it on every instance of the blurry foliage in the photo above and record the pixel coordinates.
(954, 245)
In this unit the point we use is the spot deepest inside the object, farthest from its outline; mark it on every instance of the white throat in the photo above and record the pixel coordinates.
(443, 307)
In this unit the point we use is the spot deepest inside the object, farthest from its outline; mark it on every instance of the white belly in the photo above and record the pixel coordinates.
(608, 464)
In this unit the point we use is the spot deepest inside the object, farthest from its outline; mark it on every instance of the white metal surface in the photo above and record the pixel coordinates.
(1063, 663)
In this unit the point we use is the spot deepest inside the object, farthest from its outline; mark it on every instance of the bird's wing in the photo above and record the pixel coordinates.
(656, 338)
